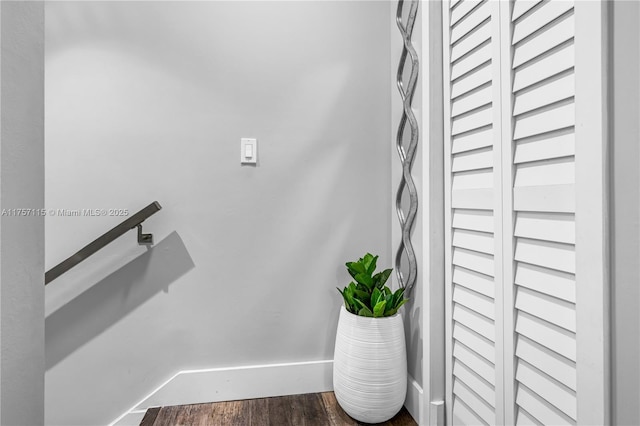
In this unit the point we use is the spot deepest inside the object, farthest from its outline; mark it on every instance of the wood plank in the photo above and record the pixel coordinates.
(150, 416)
(294, 410)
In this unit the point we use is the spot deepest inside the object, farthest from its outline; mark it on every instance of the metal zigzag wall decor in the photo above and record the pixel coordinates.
(407, 155)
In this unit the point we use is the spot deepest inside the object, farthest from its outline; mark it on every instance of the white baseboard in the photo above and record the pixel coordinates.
(234, 383)
(255, 381)
(415, 400)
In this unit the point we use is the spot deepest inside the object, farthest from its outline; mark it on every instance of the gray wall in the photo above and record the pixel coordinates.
(21, 237)
(626, 213)
(148, 101)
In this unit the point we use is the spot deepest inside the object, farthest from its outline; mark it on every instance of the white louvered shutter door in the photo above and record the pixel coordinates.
(472, 202)
(510, 214)
(543, 211)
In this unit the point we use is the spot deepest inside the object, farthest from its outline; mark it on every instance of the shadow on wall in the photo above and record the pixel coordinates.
(111, 299)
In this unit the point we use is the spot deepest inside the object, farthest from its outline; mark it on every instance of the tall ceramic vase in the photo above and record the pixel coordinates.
(370, 366)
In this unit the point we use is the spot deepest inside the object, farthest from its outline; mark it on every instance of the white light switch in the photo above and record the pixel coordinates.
(248, 151)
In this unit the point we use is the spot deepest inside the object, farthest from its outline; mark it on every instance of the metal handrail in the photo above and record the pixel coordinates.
(106, 238)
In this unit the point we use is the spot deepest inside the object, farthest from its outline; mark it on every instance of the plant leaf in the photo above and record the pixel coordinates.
(378, 309)
(365, 279)
(381, 277)
(376, 295)
(365, 312)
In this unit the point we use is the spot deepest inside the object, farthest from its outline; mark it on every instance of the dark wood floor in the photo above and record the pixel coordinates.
(313, 409)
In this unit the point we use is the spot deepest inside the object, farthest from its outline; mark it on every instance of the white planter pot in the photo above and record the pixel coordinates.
(370, 366)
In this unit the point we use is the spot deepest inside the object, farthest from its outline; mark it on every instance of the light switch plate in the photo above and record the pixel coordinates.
(248, 151)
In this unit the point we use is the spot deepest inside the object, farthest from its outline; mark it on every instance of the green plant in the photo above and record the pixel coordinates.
(368, 296)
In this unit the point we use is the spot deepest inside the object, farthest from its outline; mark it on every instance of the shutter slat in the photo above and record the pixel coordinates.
(520, 7)
(551, 91)
(545, 198)
(546, 334)
(465, 26)
(473, 60)
(548, 281)
(481, 366)
(558, 171)
(479, 283)
(477, 78)
(481, 199)
(472, 160)
(475, 342)
(474, 240)
(540, 409)
(561, 257)
(470, 378)
(559, 60)
(476, 220)
(474, 100)
(474, 120)
(548, 361)
(463, 9)
(474, 261)
(473, 179)
(540, 17)
(463, 415)
(475, 301)
(480, 34)
(550, 145)
(557, 227)
(563, 398)
(549, 119)
(550, 37)
(551, 309)
(525, 419)
(474, 402)
(474, 321)
(479, 139)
